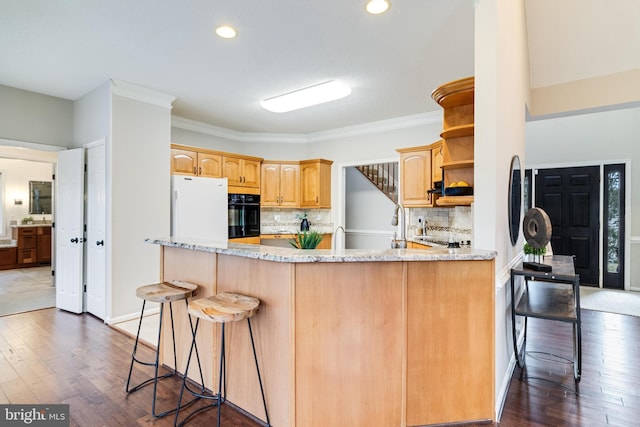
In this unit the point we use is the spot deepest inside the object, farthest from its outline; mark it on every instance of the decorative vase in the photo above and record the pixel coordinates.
(304, 225)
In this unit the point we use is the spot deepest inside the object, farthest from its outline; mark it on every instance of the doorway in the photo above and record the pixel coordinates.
(25, 238)
(571, 196)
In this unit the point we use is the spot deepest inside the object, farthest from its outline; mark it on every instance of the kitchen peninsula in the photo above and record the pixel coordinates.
(391, 337)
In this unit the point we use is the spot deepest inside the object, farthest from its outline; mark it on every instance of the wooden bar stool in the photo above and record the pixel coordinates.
(164, 292)
(221, 308)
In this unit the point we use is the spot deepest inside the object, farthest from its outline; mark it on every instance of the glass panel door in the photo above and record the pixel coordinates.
(613, 253)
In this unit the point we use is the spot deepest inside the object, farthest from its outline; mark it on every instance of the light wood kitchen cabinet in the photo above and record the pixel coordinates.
(315, 183)
(416, 245)
(255, 240)
(436, 161)
(241, 171)
(197, 163)
(282, 240)
(280, 184)
(415, 176)
(457, 100)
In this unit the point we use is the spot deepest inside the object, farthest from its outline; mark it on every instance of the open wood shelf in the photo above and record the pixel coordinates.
(455, 201)
(458, 131)
(458, 165)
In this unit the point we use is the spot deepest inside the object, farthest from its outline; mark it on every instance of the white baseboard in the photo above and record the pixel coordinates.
(131, 316)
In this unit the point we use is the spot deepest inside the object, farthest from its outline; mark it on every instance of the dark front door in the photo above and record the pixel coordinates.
(571, 198)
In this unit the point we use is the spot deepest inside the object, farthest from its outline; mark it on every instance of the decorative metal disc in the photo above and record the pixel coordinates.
(536, 227)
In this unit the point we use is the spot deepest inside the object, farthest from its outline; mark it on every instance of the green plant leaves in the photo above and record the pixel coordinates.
(306, 240)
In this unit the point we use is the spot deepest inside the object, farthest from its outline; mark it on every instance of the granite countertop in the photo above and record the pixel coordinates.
(278, 254)
(41, 224)
(8, 243)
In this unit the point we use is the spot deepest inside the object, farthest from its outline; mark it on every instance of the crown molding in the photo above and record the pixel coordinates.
(234, 135)
(380, 126)
(142, 94)
(299, 138)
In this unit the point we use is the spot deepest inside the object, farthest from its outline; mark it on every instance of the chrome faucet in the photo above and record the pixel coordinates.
(402, 243)
(335, 234)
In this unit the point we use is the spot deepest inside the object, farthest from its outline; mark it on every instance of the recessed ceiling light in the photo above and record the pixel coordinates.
(306, 97)
(226, 32)
(376, 7)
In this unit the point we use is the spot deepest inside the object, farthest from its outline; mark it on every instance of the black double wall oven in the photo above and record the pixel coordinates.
(244, 215)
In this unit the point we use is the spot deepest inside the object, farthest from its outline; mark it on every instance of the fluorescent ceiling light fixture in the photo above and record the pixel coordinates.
(226, 32)
(312, 95)
(376, 7)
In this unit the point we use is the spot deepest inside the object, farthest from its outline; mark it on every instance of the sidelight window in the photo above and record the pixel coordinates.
(614, 197)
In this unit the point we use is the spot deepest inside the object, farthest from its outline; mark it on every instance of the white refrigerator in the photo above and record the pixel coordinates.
(199, 209)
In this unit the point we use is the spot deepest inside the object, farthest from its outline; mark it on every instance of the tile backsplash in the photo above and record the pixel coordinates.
(443, 224)
(275, 220)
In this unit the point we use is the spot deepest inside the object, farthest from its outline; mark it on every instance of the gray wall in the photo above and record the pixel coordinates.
(368, 213)
(594, 139)
(36, 118)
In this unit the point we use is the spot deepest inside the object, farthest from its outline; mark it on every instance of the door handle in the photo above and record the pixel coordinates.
(74, 240)
(100, 243)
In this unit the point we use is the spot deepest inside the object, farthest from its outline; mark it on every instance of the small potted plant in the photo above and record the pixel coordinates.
(306, 240)
(534, 254)
(27, 220)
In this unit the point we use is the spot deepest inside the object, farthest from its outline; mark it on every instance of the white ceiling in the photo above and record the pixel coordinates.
(392, 61)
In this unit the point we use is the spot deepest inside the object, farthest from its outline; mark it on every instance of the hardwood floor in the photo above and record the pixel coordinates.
(50, 356)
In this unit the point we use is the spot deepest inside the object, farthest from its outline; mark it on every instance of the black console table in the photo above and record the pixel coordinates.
(553, 295)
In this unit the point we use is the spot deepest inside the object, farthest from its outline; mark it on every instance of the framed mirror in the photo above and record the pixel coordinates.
(515, 199)
(40, 197)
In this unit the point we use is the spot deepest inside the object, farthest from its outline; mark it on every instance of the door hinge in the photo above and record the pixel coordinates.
(84, 288)
(53, 272)
(53, 177)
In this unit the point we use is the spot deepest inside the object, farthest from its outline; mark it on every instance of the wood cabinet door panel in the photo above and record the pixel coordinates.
(415, 178)
(270, 184)
(231, 170)
(209, 165)
(27, 242)
(8, 257)
(309, 191)
(290, 185)
(183, 162)
(250, 173)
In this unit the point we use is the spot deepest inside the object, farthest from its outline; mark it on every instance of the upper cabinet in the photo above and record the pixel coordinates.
(280, 184)
(315, 183)
(241, 171)
(457, 100)
(199, 163)
(415, 176)
(436, 162)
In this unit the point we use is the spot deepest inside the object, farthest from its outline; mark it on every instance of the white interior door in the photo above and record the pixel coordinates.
(69, 226)
(96, 225)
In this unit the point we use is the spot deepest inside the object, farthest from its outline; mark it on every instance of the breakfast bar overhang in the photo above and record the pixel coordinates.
(397, 337)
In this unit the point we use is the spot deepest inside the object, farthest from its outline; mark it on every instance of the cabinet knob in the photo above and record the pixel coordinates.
(100, 243)
(200, 170)
(195, 170)
(74, 240)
